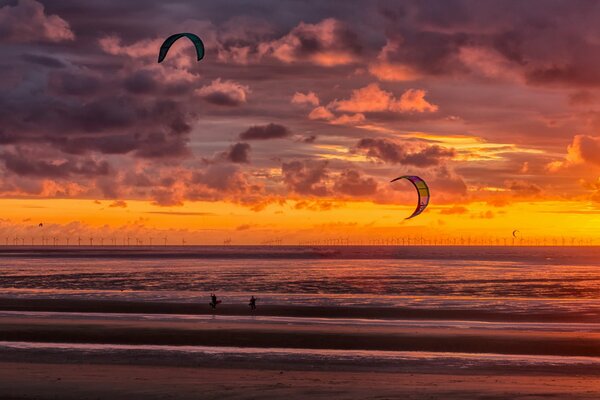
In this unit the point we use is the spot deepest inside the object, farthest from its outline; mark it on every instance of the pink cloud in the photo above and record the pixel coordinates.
(489, 63)
(309, 98)
(27, 22)
(143, 48)
(386, 70)
(584, 149)
(392, 72)
(327, 43)
(413, 100)
(372, 98)
(347, 119)
(321, 113)
(225, 93)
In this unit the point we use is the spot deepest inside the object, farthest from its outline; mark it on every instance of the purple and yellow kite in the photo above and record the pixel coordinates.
(422, 191)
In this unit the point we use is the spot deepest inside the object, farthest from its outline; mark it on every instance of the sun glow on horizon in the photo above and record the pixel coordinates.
(295, 221)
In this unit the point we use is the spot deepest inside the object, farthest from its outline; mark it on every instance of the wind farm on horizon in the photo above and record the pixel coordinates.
(396, 241)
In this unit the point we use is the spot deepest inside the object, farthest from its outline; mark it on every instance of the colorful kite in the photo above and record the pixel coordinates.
(422, 191)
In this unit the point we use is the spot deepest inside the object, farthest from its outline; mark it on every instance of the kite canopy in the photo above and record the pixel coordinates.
(164, 49)
(422, 191)
(515, 233)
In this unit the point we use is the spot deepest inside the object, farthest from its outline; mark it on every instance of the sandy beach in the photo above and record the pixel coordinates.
(75, 355)
(52, 381)
(223, 331)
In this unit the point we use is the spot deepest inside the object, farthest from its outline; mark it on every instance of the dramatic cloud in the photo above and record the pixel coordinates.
(24, 164)
(224, 93)
(238, 153)
(27, 22)
(347, 119)
(386, 70)
(327, 43)
(351, 182)
(321, 113)
(583, 149)
(306, 178)
(223, 177)
(523, 188)
(447, 182)
(478, 97)
(145, 48)
(489, 63)
(372, 98)
(309, 98)
(265, 132)
(396, 153)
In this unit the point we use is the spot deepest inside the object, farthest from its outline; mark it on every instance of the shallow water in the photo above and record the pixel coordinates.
(408, 361)
(505, 279)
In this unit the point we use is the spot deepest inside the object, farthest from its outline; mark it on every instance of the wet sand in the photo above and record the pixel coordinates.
(40, 358)
(82, 381)
(149, 307)
(228, 332)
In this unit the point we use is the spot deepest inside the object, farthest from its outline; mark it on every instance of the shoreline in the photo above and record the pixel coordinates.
(270, 334)
(153, 307)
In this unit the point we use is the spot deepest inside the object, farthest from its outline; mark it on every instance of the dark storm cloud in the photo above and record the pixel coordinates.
(222, 177)
(238, 153)
(75, 84)
(450, 37)
(102, 117)
(24, 165)
(265, 132)
(306, 178)
(350, 182)
(141, 82)
(397, 153)
(27, 21)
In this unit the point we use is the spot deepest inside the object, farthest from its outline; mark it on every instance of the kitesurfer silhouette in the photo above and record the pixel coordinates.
(252, 303)
(213, 301)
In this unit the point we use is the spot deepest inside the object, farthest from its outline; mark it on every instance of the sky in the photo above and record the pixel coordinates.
(292, 126)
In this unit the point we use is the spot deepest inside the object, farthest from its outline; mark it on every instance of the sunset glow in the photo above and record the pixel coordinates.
(291, 128)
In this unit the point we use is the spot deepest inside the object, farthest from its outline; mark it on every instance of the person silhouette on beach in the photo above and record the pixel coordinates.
(213, 301)
(252, 303)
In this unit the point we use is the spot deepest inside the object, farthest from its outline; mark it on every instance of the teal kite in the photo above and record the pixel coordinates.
(164, 49)
(422, 191)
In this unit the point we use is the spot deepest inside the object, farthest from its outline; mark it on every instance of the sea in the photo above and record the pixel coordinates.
(518, 279)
